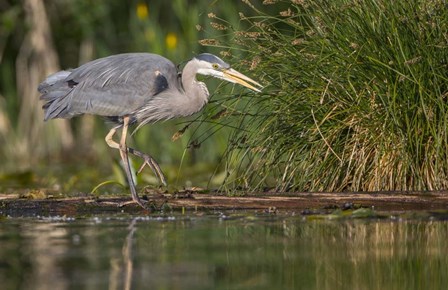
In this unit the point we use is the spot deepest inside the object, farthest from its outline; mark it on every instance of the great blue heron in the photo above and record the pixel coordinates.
(135, 88)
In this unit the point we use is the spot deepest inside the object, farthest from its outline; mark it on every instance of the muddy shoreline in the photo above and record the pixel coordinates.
(12, 205)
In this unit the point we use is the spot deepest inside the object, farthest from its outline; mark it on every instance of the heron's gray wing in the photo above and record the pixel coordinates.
(120, 84)
(117, 85)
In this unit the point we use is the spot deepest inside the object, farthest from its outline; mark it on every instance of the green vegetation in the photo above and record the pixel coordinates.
(356, 96)
(40, 37)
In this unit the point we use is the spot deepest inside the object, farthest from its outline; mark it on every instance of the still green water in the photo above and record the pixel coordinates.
(222, 251)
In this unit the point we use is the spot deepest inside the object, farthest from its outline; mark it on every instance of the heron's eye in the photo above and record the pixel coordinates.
(215, 66)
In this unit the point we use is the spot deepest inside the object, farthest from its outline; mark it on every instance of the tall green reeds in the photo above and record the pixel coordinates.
(355, 98)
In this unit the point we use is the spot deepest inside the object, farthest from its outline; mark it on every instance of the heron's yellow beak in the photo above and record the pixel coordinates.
(234, 76)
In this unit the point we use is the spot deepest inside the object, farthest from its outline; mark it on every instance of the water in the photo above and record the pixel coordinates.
(216, 251)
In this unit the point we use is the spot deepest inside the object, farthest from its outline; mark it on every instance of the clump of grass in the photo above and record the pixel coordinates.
(355, 98)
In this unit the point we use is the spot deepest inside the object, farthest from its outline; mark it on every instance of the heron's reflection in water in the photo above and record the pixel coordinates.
(122, 269)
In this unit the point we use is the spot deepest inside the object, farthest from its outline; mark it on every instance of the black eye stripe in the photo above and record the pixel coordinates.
(212, 59)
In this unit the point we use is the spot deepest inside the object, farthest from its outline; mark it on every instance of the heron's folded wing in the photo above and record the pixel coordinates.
(119, 85)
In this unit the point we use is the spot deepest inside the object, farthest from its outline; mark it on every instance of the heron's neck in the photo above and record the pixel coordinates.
(195, 91)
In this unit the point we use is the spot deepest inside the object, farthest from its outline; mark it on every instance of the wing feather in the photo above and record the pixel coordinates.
(117, 85)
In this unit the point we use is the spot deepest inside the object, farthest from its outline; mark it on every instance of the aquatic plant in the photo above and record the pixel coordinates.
(355, 96)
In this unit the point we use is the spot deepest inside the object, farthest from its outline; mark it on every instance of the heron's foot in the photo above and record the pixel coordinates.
(148, 205)
(138, 200)
(148, 160)
(154, 167)
(126, 203)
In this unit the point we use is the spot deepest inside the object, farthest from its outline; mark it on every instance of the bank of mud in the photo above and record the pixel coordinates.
(191, 201)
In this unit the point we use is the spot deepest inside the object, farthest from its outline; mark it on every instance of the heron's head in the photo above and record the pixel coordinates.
(211, 65)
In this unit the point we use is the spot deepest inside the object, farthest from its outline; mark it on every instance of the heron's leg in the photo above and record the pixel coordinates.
(110, 141)
(124, 157)
(148, 160)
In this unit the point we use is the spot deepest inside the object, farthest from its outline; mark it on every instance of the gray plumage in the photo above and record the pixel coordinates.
(147, 87)
(144, 86)
(113, 86)
(134, 88)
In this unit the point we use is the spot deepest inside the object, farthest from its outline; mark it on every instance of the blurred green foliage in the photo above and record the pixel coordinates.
(355, 95)
(39, 37)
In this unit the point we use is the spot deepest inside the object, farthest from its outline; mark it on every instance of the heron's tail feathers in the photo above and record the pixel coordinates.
(52, 80)
(55, 92)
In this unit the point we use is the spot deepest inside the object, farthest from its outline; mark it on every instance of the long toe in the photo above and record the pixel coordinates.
(140, 202)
